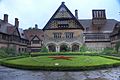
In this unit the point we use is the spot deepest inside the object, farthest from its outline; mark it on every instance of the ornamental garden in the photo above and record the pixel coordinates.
(83, 60)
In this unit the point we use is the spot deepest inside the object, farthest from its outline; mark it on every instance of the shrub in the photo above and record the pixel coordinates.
(117, 46)
(6, 52)
(3, 53)
(108, 50)
(44, 49)
(83, 48)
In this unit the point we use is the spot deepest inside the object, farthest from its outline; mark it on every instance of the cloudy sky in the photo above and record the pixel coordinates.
(32, 12)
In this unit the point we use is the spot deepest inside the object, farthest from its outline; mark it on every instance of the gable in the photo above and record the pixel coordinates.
(62, 13)
(35, 38)
(63, 19)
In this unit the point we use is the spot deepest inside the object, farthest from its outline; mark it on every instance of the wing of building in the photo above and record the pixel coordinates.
(35, 37)
(11, 36)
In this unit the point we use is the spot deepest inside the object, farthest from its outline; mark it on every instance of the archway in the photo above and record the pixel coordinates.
(63, 48)
(52, 48)
(75, 47)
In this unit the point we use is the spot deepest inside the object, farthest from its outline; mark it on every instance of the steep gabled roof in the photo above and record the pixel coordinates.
(30, 33)
(116, 29)
(71, 16)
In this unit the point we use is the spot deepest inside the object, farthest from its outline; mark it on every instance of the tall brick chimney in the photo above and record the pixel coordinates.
(99, 14)
(16, 22)
(76, 13)
(5, 18)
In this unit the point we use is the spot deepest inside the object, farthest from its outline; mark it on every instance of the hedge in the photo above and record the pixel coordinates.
(64, 53)
(59, 68)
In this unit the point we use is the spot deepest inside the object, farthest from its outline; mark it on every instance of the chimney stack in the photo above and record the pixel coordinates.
(36, 26)
(63, 2)
(99, 14)
(76, 13)
(5, 18)
(16, 22)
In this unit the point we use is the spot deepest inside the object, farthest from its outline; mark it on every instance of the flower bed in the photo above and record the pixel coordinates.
(61, 57)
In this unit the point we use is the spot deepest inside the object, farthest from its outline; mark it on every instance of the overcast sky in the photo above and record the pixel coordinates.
(30, 12)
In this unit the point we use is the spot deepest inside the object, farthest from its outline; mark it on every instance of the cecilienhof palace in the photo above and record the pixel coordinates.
(62, 30)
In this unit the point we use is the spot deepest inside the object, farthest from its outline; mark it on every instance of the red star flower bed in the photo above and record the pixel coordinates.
(61, 57)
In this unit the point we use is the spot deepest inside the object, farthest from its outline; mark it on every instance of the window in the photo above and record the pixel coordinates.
(69, 34)
(57, 35)
(63, 25)
(4, 37)
(35, 41)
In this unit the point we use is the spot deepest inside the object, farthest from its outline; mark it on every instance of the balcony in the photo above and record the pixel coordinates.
(63, 39)
(97, 37)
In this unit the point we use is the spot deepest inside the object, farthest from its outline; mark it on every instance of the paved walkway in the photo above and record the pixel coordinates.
(15, 74)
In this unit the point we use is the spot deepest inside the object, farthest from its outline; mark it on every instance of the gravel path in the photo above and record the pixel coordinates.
(16, 74)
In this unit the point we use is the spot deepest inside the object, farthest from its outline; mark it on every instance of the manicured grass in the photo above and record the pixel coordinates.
(75, 63)
(63, 53)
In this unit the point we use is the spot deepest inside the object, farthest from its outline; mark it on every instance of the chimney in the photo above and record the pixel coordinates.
(36, 26)
(99, 14)
(16, 22)
(63, 2)
(76, 13)
(5, 18)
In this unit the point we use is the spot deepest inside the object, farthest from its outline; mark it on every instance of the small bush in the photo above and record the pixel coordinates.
(44, 49)
(83, 48)
(108, 51)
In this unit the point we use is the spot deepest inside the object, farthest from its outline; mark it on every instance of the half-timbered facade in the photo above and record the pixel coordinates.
(35, 37)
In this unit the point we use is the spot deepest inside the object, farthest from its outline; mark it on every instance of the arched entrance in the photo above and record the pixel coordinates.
(63, 48)
(52, 48)
(75, 47)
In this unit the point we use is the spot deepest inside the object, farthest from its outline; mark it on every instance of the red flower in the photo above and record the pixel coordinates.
(61, 57)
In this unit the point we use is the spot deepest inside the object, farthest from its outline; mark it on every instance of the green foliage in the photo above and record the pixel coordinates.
(6, 52)
(63, 53)
(3, 53)
(109, 50)
(83, 48)
(117, 46)
(44, 49)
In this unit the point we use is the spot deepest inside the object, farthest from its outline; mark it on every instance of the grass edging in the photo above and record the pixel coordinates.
(59, 68)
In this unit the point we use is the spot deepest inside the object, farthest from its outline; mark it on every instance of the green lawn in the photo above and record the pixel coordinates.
(79, 62)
